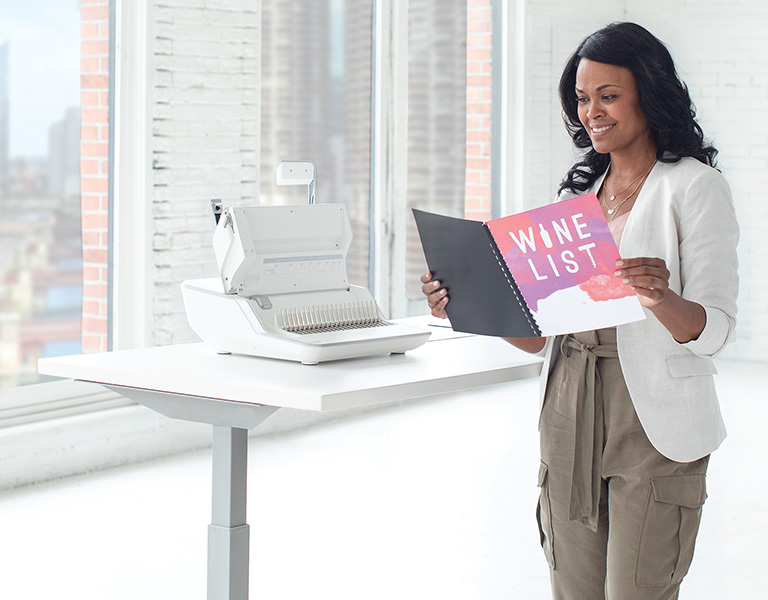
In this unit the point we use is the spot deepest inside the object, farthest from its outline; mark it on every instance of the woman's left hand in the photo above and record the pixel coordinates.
(649, 277)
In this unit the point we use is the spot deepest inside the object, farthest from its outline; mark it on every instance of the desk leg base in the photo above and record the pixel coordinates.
(228, 562)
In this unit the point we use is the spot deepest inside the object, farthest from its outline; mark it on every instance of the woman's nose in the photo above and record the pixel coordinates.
(595, 110)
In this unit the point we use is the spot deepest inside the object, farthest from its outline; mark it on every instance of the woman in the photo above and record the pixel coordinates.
(629, 414)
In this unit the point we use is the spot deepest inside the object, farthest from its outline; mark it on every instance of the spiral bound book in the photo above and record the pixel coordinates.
(546, 271)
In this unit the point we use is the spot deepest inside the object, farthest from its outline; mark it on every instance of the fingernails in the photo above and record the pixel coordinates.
(619, 263)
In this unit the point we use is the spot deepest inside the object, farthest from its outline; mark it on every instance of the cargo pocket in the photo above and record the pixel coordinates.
(544, 517)
(670, 525)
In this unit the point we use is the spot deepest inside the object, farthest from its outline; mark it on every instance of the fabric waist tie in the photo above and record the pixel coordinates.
(588, 440)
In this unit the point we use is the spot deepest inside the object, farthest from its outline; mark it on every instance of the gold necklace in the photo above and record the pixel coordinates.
(613, 196)
(612, 211)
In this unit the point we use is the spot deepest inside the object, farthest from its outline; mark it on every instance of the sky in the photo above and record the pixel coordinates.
(44, 64)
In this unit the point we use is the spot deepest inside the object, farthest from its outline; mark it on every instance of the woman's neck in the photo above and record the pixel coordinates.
(627, 166)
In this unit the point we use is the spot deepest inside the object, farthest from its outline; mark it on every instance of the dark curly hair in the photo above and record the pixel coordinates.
(663, 97)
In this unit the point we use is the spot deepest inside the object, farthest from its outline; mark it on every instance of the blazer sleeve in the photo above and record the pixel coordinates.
(708, 235)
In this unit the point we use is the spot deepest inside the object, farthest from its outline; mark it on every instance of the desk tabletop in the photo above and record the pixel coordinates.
(443, 365)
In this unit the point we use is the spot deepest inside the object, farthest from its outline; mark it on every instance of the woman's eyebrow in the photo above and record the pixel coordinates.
(600, 88)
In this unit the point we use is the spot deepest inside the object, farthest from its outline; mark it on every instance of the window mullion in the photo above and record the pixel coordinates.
(512, 102)
(390, 150)
(131, 190)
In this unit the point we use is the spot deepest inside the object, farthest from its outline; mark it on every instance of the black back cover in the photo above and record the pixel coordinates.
(483, 298)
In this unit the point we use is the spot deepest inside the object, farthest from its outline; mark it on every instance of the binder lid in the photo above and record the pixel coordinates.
(264, 250)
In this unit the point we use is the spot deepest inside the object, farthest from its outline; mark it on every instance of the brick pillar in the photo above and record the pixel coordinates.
(479, 69)
(94, 169)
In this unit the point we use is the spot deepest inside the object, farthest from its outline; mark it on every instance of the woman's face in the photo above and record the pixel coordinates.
(610, 110)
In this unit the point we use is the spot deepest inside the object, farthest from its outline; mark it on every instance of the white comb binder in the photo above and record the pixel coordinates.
(284, 293)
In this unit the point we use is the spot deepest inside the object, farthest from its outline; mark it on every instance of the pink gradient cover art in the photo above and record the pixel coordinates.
(562, 257)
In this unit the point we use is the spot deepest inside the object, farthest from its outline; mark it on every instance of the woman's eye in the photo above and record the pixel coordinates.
(609, 97)
(582, 100)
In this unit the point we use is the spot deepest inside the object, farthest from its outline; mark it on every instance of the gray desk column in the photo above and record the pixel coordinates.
(228, 533)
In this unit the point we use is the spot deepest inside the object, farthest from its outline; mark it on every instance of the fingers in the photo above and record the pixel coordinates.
(641, 261)
(643, 272)
(438, 310)
(437, 297)
(430, 288)
(649, 277)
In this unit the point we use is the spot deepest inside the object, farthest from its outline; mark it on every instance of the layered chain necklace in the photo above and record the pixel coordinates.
(637, 182)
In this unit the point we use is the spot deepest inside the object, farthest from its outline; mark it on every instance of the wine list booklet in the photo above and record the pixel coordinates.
(546, 271)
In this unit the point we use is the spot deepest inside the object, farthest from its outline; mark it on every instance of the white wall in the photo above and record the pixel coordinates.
(721, 50)
(553, 29)
(724, 57)
(205, 140)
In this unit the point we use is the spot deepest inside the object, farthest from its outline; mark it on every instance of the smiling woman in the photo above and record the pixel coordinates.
(631, 453)
(629, 413)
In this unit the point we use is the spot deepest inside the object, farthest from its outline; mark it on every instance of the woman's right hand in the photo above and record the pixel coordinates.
(437, 297)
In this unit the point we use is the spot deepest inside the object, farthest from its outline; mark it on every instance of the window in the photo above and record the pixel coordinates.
(41, 287)
(437, 127)
(318, 100)
(452, 123)
(54, 204)
(316, 105)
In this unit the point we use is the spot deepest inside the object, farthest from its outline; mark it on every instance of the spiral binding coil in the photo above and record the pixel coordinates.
(331, 317)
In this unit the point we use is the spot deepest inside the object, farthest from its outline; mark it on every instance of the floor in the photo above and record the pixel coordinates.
(432, 500)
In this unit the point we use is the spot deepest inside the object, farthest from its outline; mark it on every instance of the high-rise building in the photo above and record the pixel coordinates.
(316, 105)
(295, 93)
(437, 97)
(4, 119)
(356, 160)
(64, 160)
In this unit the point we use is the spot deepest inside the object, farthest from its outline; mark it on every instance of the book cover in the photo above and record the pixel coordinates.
(546, 271)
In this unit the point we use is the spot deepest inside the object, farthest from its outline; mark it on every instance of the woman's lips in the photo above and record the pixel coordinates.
(598, 129)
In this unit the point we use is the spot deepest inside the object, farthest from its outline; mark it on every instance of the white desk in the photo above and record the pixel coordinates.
(236, 393)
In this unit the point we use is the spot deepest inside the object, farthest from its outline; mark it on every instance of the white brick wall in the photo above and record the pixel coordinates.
(553, 29)
(721, 50)
(725, 57)
(205, 140)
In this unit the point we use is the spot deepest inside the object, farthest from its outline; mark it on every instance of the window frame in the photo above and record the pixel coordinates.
(45, 405)
(390, 156)
(65, 398)
(509, 92)
(129, 224)
(130, 127)
(388, 211)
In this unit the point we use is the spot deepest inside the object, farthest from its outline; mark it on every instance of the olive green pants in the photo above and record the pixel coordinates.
(618, 520)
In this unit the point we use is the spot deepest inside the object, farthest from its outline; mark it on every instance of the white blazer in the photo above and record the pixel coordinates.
(683, 214)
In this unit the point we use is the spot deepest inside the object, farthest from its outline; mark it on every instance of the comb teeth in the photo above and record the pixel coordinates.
(331, 317)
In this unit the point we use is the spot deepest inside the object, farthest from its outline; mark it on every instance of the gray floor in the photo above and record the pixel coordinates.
(434, 500)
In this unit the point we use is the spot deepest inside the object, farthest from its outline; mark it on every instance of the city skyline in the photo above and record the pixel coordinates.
(40, 221)
(41, 84)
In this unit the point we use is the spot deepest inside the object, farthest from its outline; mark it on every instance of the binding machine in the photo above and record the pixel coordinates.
(284, 292)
